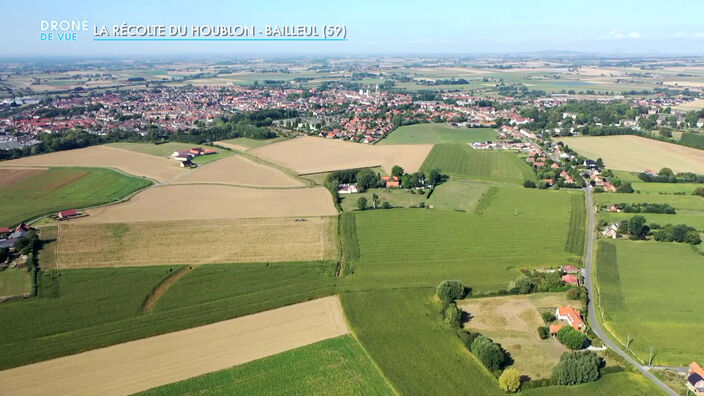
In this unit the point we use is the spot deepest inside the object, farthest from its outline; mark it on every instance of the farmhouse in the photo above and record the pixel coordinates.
(695, 379)
(348, 189)
(67, 214)
(391, 181)
(19, 231)
(571, 316)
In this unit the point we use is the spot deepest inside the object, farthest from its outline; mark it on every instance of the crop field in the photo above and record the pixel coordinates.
(160, 150)
(635, 153)
(216, 241)
(512, 322)
(9, 175)
(244, 144)
(696, 104)
(139, 365)
(646, 291)
(338, 366)
(84, 309)
(15, 282)
(132, 162)
(464, 162)
(238, 170)
(185, 202)
(457, 195)
(314, 155)
(516, 228)
(578, 222)
(438, 133)
(695, 140)
(63, 188)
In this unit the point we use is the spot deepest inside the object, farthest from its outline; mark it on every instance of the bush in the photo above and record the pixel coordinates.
(362, 203)
(452, 315)
(386, 205)
(510, 380)
(449, 290)
(548, 316)
(699, 191)
(522, 285)
(543, 332)
(489, 353)
(577, 368)
(529, 184)
(577, 293)
(467, 337)
(571, 338)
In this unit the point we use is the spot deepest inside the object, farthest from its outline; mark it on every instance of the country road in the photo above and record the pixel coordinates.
(593, 321)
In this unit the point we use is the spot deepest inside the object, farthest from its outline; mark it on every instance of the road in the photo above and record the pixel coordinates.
(593, 321)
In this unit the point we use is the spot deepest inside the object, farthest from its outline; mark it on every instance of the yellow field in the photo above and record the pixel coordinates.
(636, 154)
(210, 201)
(240, 171)
(81, 245)
(314, 155)
(696, 104)
(143, 364)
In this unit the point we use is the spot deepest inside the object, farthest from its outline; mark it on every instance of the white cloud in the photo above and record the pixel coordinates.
(679, 35)
(634, 35)
(614, 35)
(698, 35)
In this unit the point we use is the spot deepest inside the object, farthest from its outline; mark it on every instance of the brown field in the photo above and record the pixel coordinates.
(238, 147)
(9, 176)
(696, 104)
(143, 364)
(314, 155)
(238, 170)
(81, 245)
(210, 201)
(131, 162)
(512, 321)
(636, 154)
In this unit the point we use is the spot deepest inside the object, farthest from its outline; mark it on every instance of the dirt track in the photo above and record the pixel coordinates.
(204, 202)
(313, 155)
(155, 361)
(9, 176)
(238, 170)
(134, 163)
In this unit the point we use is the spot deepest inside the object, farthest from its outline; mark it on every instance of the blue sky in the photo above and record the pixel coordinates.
(376, 27)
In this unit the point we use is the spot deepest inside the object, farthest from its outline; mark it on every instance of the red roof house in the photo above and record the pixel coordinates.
(67, 214)
(571, 316)
(570, 280)
(4, 230)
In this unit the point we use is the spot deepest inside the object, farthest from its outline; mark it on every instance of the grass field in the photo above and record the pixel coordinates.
(15, 282)
(691, 218)
(647, 291)
(85, 309)
(399, 198)
(215, 241)
(338, 366)
(465, 162)
(438, 133)
(634, 153)
(517, 228)
(578, 221)
(689, 208)
(63, 188)
(457, 195)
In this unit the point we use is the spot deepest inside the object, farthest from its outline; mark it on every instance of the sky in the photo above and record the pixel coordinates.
(373, 27)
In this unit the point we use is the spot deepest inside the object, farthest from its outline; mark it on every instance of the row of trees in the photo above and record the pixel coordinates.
(645, 207)
(666, 175)
(636, 228)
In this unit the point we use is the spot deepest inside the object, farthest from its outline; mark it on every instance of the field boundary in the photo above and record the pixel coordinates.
(163, 287)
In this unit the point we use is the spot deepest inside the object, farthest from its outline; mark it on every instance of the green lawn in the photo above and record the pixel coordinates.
(85, 309)
(511, 228)
(656, 188)
(457, 195)
(649, 290)
(63, 188)
(438, 133)
(337, 366)
(622, 383)
(15, 282)
(463, 161)
(691, 218)
(399, 198)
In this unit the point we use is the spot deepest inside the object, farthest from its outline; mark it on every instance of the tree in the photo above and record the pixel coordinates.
(367, 178)
(577, 368)
(522, 285)
(699, 191)
(452, 315)
(375, 200)
(397, 171)
(386, 205)
(543, 332)
(625, 187)
(450, 290)
(28, 243)
(529, 184)
(406, 181)
(434, 176)
(637, 227)
(510, 380)
(571, 338)
(488, 352)
(362, 203)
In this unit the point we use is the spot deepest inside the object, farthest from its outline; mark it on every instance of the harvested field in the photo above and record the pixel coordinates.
(636, 154)
(138, 164)
(155, 361)
(9, 176)
(313, 155)
(241, 171)
(83, 245)
(206, 202)
(244, 144)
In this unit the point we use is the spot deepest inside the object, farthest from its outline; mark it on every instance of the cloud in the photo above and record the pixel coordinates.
(634, 35)
(698, 35)
(614, 35)
(679, 35)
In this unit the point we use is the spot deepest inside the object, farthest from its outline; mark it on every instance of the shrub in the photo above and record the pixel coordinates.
(452, 315)
(548, 316)
(522, 285)
(361, 203)
(529, 184)
(577, 293)
(577, 368)
(488, 353)
(386, 205)
(510, 380)
(699, 191)
(571, 338)
(543, 332)
(467, 337)
(449, 290)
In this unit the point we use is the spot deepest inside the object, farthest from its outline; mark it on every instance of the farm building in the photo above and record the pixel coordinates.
(67, 214)
(4, 230)
(391, 181)
(570, 280)
(554, 328)
(570, 269)
(571, 316)
(348, 189)
(19, 231)
(695, 379)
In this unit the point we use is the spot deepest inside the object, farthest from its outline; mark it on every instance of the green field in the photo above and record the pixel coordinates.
(458, 195)
(85, 309)
(688, 202)
(438, 133)
(338, 366)
(511, 228)
(399, 198)
(578, 222)
(691, 218)
(15, 282)
(649, 290)
(63, 188)
(461, 160)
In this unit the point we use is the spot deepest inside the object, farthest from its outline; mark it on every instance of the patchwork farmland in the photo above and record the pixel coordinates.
(438, 133)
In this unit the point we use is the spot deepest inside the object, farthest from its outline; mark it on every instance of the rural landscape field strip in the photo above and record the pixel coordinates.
(425, 133)
(337, 366)
(155, 361)
(238, 170)
(85, 245)
(186, 202)
(11, 175)
(578, 223)
(56, 189)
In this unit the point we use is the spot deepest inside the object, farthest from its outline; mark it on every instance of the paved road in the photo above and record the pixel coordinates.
(593, 321)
